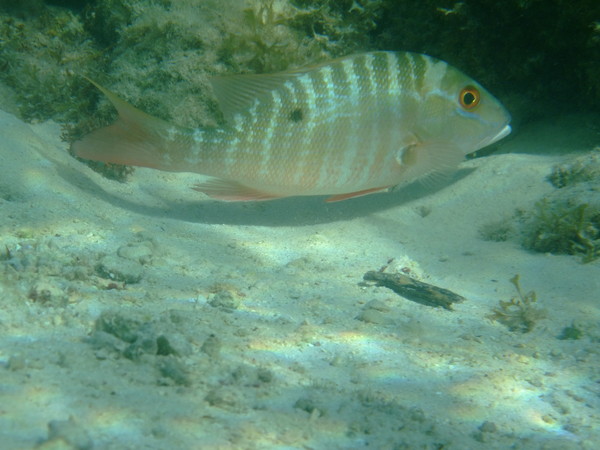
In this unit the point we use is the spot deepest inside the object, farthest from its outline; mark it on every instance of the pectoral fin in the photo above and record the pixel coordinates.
(340, 197)
(232, 191)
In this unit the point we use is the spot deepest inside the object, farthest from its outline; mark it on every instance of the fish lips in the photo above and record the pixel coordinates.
(495, 138)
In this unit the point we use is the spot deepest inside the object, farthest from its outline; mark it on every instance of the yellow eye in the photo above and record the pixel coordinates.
(469, 97)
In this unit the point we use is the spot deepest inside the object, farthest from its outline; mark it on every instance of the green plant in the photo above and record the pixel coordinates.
(585, 168)
(566, 229)
(571, 332)
(520, 313)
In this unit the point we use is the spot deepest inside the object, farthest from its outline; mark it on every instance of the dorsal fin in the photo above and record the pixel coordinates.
(236, 93)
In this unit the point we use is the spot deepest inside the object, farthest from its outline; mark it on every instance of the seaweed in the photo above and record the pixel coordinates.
(572, 332)
(314, 29)
(582, 169)
(497, 231)
(160, 52)
(40, 48)
(566, 229)
(520, 313)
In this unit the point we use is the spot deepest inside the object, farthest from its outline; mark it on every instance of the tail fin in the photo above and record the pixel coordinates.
(135, 138)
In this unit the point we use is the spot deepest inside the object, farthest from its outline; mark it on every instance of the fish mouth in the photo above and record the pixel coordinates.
(490, 140)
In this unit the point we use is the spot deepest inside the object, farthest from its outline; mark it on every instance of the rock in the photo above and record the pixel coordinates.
(141, 253)
(116, 268)
(69, 432)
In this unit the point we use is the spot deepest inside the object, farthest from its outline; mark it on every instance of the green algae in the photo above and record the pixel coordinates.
(568, 220)
(565, 229)
(40, 49)
(585, 168)
(572, 332)
(159, 54)
(519, 314)
(564, 222)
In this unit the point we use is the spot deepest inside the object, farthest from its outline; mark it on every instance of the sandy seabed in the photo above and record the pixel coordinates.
(144, 315)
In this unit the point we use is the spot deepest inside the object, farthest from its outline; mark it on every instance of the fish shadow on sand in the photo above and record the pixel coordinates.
(292, 211)
(301, 211)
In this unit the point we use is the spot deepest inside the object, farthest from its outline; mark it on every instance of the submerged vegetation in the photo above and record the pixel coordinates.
(40, 49)
(565, 229)
(566, 221)
(520, 313)
(571, 332)
(581, 169)
(159, 54)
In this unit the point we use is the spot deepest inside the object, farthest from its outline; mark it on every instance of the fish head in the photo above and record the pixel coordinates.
(458, 112)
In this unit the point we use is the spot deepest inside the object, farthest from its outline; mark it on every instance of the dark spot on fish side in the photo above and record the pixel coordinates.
(296, 115)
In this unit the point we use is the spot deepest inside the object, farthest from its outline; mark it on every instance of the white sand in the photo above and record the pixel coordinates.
(258, 305)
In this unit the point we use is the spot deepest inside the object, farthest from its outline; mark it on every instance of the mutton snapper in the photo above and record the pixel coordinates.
(346, 128)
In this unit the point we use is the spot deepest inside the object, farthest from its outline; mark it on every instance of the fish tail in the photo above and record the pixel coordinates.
(135, 138)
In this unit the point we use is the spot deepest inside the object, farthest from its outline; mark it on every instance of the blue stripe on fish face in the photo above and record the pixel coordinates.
(470, 115)
(474, 116)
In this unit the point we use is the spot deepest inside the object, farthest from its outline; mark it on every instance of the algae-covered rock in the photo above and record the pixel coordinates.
(584, 168)
(133, 337)
(69, 434)
(565, 226)
(159, 55)
(116, 268)
(41, 47)
(567, 221)
(138, 252)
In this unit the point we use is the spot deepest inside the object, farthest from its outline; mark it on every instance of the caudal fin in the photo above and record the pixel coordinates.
(135, 138)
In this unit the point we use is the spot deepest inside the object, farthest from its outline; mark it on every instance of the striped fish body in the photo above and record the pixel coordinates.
(346, 128)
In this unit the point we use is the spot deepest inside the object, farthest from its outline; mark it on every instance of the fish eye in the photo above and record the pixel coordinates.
(469, 97)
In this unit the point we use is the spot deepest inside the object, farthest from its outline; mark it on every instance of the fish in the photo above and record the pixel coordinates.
(349, 127)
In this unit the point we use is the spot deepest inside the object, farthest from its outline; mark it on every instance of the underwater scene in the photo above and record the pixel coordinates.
(300, 224)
